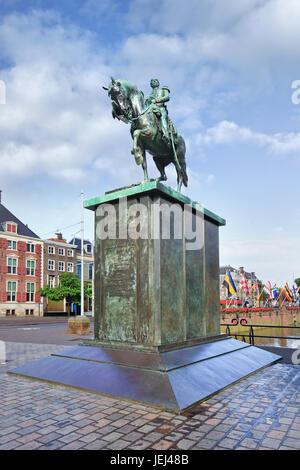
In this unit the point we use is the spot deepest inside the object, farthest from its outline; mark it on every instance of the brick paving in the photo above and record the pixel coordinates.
(260, 412)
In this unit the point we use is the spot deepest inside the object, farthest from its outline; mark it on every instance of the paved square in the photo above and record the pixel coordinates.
(260, 412)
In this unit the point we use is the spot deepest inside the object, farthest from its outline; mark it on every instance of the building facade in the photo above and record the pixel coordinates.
(88, 264)
(21, 267)
(237, 275)
(59, 258)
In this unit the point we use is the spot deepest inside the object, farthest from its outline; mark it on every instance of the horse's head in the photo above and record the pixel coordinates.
(121, 93)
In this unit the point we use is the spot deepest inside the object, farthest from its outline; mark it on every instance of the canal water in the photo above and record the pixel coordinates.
(272, 332)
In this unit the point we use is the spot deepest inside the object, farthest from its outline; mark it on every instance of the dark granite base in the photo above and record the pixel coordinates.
(173, 380)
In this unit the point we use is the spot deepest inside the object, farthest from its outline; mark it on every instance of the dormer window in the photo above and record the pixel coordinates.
(11, 227)
(88, 248)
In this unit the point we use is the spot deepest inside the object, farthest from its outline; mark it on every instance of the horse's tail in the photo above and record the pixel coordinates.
(184, 175)
(181, 158)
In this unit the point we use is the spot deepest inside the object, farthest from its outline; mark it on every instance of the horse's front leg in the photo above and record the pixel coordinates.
(139, 153)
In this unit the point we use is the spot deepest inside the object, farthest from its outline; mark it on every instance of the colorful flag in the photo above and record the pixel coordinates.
(294, 293)
(288, 293)
(244, 285)
(267, 289)
(256, 288)
(274, 292)
(229, 284)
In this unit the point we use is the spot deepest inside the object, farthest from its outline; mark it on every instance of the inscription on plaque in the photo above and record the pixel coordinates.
(120, 272)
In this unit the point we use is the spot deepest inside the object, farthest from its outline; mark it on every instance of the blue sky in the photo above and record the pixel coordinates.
(230, 67)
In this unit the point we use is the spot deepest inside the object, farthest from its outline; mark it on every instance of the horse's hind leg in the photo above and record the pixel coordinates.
(161, 168)
(144, 165)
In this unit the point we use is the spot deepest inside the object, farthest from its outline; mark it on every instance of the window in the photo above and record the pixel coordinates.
(10, 312)
(88, 248)
(51, 264)
(61, 251)
(29, 291)
(51, 250)
(11, 245)
(90, 271)
(70, 267)
(12, 265)
(51, 280)
(11, 291)
(11, 227)
(61, 266)
(70, 252)
(30, 247)
(30, 266)
(78, 269)
(29, 311)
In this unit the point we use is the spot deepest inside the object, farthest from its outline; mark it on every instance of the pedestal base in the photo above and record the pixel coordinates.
(79, 326)
(173, 380)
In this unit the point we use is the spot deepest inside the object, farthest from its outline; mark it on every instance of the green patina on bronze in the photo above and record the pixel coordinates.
(136, 189)
(155, 294)
(151, 128)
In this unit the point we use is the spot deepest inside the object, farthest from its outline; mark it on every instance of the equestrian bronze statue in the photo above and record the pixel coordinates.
(151, 128)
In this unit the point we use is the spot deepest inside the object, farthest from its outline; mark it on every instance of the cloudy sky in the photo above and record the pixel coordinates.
(230, 66)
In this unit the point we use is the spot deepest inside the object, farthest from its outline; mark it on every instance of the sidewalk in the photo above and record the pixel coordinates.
(260, 412)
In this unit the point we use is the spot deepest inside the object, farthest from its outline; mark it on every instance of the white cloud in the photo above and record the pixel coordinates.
(53, 121)
(272, 258)
(247, 35)
(226, 132)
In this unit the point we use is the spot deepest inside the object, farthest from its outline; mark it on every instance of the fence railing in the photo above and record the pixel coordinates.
(251, 335)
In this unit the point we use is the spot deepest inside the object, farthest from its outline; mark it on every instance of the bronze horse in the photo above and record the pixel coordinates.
(128, 105)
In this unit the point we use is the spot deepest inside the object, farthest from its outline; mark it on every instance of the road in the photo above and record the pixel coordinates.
(39, 331)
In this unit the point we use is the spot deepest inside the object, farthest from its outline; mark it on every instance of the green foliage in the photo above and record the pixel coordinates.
(69, 289)
(297, 281)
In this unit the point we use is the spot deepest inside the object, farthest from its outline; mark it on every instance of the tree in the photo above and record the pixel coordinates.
(297, 281)
(69, 288)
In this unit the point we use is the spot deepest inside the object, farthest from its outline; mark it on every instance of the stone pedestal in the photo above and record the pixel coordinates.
(159, 291)
(157, 327)
(78, 325)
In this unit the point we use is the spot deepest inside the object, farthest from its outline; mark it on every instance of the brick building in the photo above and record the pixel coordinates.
(21, 267)
(59, 258)
(237, 276)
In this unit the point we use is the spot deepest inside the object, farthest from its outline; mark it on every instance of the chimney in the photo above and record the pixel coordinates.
(59, 236)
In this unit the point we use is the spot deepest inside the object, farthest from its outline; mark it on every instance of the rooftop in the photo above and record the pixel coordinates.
(7, 216)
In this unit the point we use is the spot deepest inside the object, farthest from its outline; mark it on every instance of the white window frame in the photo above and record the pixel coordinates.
(31, 269)
(53, 265)
(51, 250)
(12, 242)
(61, 251)
(70, 253)
(61, 264)
(31, 294)
(70, 267)
(53, 278)
(32, 247)
(12, 291)
(13, 267)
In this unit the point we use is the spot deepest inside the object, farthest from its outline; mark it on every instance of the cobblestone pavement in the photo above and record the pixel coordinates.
(260, 412)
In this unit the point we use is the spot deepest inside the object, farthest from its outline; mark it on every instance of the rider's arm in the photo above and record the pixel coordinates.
(164, 96)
